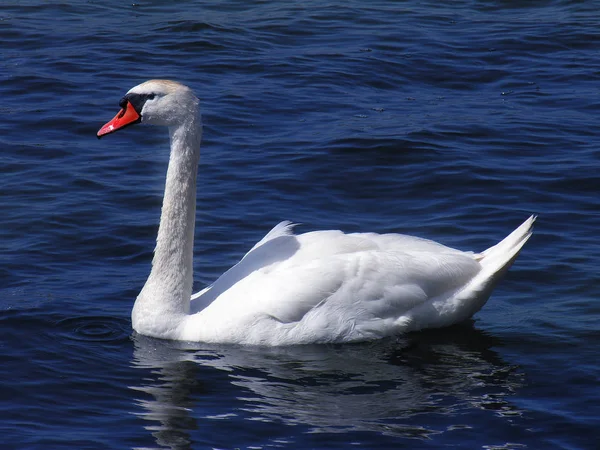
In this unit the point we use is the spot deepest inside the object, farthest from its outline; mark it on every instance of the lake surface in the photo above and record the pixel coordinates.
(453, 123)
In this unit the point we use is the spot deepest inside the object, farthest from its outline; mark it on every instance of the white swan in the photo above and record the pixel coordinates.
(317, 287)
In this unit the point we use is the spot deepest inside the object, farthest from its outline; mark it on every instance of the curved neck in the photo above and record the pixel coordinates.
(169, 286)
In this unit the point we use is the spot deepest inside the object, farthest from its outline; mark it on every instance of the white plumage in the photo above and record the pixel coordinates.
(317, 287)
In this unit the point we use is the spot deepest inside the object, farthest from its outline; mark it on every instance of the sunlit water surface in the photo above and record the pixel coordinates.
(447, 122)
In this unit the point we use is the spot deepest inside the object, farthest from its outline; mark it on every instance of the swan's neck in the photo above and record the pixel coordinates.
(166, 295)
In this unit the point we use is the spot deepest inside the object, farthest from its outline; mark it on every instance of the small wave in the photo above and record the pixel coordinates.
(94, 329)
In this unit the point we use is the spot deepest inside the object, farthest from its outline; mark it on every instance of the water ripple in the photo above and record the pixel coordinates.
(95, 329)
(448, 121)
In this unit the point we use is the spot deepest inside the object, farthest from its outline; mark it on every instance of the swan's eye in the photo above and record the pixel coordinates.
(151, 96)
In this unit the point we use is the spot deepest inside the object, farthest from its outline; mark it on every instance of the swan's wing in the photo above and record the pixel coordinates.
(323, 285)
(363, 278)
(285, 228)
(279, 243)
(201, 292)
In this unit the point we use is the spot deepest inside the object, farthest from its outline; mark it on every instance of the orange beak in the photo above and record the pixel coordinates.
(127, 116)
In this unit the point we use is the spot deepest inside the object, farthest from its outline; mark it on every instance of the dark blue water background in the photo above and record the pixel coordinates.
(448, 122)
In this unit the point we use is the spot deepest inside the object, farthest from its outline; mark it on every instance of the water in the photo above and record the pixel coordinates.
(448, 122)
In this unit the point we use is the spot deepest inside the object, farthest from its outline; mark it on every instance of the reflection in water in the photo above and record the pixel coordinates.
(172, 390)
(385, 387)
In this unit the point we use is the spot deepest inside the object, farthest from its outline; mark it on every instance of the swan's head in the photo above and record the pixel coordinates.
(155, 102)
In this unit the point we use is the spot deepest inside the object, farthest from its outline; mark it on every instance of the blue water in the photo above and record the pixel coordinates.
(448, 122)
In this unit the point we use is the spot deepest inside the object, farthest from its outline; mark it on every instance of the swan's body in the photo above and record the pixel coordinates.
(317, 287)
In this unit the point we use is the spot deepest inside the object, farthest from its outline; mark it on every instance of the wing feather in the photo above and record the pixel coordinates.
(344, 280)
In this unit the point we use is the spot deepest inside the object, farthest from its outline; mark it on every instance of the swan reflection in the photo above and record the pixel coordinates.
(383, 387)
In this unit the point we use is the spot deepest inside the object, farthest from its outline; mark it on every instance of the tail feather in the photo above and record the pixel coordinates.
(503, 253)
(467, 300)
(456, 306)
(495, 261)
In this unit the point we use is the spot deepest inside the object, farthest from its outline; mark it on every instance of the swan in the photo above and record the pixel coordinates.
(316, 287)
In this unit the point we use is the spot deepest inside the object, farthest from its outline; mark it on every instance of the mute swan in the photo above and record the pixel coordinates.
(317, 287)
